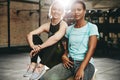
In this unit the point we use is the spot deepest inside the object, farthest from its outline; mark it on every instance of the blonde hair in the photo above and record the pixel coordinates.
(56, 2)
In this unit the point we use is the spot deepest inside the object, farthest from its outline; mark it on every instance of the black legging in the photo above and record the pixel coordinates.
(47, 55)
(36, 40)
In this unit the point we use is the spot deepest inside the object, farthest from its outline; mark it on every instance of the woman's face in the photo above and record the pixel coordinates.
(77, 11)
(57, 11)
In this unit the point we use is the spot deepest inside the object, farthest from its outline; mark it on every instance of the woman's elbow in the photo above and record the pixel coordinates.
(29, 34)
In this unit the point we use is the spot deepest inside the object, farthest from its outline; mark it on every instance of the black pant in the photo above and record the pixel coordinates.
(48, 55)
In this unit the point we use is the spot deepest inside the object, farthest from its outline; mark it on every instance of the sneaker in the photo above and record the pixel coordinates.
(39, 74)
(29, 71)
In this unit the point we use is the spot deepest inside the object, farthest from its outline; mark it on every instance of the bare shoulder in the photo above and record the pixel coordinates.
(63, 24)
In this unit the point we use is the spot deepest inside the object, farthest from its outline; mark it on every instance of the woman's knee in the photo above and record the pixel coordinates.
(89, 71)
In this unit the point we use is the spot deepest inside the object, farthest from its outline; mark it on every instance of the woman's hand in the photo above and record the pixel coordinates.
(32, 53)
(66, 62)
(80, 74)
(36, 49)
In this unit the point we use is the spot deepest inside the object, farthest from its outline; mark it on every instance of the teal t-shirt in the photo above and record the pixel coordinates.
(78, 40)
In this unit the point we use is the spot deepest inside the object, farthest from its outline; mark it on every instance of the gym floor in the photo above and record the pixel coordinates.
(13, 66)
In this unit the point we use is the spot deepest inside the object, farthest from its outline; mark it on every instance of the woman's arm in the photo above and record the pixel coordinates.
(91, 48)
(37, 31)
(51, 40)
(56, 37)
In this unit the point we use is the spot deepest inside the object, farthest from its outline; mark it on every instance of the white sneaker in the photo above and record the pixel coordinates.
(28, 73)
(38, 75)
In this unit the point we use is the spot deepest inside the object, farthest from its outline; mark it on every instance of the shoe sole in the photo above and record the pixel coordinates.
(27, 75)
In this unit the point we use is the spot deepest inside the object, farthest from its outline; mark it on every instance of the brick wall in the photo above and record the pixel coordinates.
(3, 26)
(20, 24)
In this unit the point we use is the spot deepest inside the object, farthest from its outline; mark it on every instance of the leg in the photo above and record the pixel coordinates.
(48, 56)
(58, 72)
(40, 68)
(88, 72)
(31, 67)
(36, 40)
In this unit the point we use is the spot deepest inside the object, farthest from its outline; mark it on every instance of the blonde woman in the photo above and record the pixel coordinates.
(52, 46)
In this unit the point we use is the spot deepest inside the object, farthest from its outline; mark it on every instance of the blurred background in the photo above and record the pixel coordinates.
(19, 17)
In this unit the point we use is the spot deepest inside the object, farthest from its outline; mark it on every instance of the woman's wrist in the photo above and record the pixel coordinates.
(64, 55)
(40, 47)
(32, 46)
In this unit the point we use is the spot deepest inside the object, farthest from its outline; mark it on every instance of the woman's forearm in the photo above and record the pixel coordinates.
(55, 38)
(30, 39)
(50, 41)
